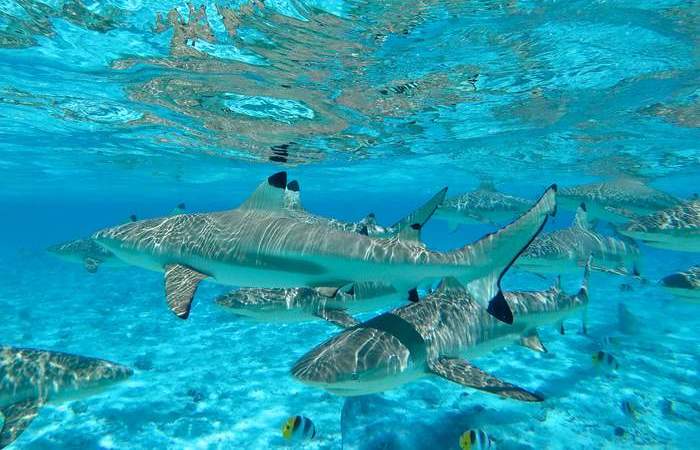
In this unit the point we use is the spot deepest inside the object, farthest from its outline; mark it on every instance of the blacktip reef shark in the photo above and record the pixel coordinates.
(483, 205)
(301, 304)
(334, 306)
(616, 201)
(92, 255)
(684, 284)
(263, 243)
(676, 228)
(31, 378)
(436, 336)
(566, 250)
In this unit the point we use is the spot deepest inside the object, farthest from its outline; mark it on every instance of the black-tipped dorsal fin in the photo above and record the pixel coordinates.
(461, 372)
(270, 194)
(581, 217)
(292, 196)
(17, 417)
(180, 285)
(409, 228)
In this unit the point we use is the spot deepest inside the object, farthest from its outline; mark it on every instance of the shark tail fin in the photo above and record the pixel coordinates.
(492, 255)
(409, 227)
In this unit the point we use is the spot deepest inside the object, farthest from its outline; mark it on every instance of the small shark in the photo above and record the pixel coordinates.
(436, 336)
(86, 252)
(264, 243)
(566, 250)
(30, 378)
(684, 284)
(616, 201)
(300, 304)
(92, 255)
(484, 205)
(676, 228)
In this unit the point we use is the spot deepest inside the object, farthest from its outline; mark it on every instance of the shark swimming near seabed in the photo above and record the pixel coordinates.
(303, 304)
(483, 205)
(436, 336)
(265, 244)
(684, 284)
(676, 228)
(86, 252)
(616, 201)
(31, 378)
(566, 250)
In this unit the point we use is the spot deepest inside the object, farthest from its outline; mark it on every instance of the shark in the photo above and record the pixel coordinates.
(676, 228)
(616, 201)
(684, 284)
(31, 378)
(566, 250)
(264, 243)
(303, 304)
(436, 337)
(483, 205)
(334, 306)
(86, 252)
(92, 255)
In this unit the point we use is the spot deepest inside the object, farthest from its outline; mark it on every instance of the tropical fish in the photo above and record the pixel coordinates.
(436, 336)
(31, 378)
(616, 201)
(484, 205)
(605, 359)
(298, 428)
(676, 228)
(265, 244)
(567, 249)
(629, 409)
(475, 440)
(684, 284)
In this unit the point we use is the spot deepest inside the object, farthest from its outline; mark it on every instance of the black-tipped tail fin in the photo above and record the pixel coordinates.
(496, 252)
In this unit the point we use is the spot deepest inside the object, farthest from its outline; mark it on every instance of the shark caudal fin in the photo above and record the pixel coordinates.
(409, 228)
(496, 252)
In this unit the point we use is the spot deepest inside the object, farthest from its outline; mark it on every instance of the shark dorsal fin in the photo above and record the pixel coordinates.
(450, 285)
(486, 185)
(292, 196)
(581, 217)
(269, 195)
(409, 228)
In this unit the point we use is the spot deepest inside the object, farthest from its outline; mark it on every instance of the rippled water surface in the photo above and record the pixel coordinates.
(113, 108)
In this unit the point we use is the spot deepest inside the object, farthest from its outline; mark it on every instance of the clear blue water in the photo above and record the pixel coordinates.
(379, 105)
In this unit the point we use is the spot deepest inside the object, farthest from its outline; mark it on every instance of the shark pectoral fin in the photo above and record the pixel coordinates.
(91, 264)
(17, 416)
(461, 372)
(180, 285)
(531, 339)
(270, 194)
(339, 317)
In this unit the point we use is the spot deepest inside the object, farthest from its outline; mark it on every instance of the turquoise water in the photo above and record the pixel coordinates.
(108, 111)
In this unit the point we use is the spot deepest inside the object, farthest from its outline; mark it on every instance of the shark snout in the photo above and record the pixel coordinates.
(352, 363)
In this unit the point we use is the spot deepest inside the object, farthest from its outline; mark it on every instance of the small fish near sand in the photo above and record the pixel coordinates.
(298, 429)
(605, 359)
(476, 440)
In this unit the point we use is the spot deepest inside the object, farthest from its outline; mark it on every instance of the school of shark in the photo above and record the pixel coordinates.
(432, 312)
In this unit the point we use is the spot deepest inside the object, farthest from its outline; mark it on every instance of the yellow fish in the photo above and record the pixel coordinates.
(475, 440)
(298, 428)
